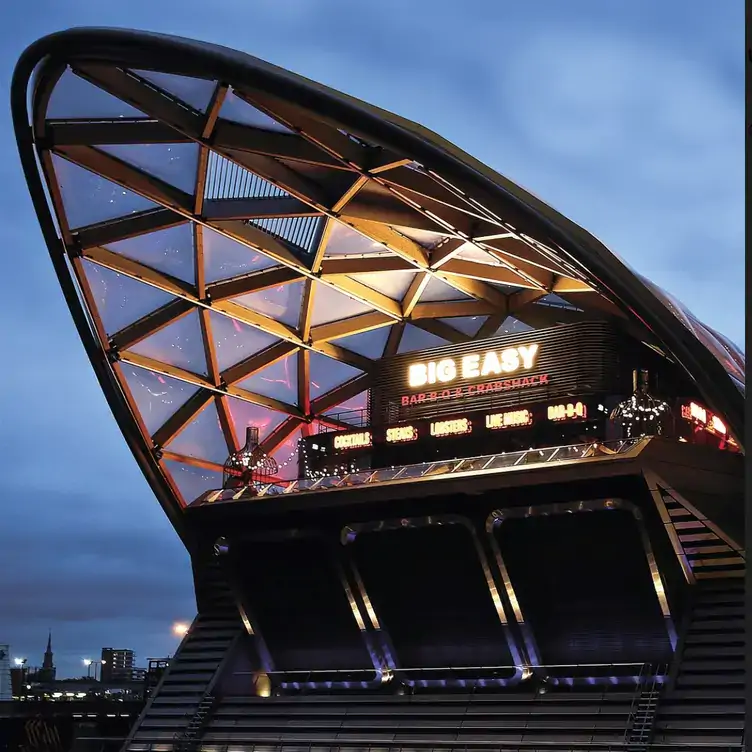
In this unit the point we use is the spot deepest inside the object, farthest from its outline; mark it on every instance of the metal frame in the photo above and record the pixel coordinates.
(497, 518)
(521, 668)
(379, 671)
(342, 161)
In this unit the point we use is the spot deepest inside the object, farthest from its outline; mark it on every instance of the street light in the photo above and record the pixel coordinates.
(19, 661)
(89, 663)
(180, 629)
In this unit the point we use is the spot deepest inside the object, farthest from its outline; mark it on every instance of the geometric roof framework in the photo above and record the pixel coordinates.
(262, 240)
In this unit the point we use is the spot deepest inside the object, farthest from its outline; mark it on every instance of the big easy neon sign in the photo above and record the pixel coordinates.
(472, 366)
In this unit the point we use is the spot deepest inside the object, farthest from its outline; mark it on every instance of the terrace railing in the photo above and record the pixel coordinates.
(490, 463)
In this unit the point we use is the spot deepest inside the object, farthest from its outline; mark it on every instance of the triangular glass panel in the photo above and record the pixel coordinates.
(235, 341)
(278, 381)
(75, 98)
(228, 180)
(239, 111)
(426, 238)
(392, 284)
(169, 251)
(437, 291)
(180, 344)
(371, 344)
(121, 300)
(414, 338)
(157, 397)
(353, 410)
(471, 252)
(225, 258)
(244, 414)
(326, 374)
(192, 481)
(344, 241)
(286, 456)
(281, 303)
(175, 164)
(196, 92)
(467, 324)
(89, 198)
(511, 325)
(331, 305)
(202, 438)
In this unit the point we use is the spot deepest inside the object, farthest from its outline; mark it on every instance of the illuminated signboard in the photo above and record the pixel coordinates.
(509, 419)
(401, 434)
(567, 411)
(698, 414)
(472, 366)
(454, 427)
(352, 440)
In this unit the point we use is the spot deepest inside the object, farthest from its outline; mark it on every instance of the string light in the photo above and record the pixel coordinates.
(641, 414)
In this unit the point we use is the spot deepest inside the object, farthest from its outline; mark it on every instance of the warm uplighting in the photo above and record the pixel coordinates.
(180, 629)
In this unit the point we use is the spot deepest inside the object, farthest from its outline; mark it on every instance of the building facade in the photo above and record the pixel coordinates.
(420, 433)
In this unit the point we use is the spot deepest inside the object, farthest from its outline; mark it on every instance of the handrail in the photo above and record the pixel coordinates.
(433, 669)
(481, 464)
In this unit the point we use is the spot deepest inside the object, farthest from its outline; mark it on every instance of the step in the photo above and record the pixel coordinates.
(717, 611)
(685, 708)
(721, 625)
(715, 680)
(719, 598)
(709, 665)
(714, 652)
(715, 638)
(723, 576)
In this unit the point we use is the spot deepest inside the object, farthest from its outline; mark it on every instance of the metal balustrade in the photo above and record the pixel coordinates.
(490, 463)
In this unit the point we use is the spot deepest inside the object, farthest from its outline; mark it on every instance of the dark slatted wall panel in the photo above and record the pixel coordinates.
(294, 593)
(580, 359)
(430, 594)
(584, 586)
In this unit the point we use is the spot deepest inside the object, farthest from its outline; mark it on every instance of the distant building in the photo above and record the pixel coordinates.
(5, 686)
(48, 671)
(117, 665)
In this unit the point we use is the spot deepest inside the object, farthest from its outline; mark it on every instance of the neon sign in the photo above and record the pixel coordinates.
(353, 440)
(401, 434)
(473, 366)
(568, 411)
(698, 414)
(509, 419)
(472, 390)
(454, 427)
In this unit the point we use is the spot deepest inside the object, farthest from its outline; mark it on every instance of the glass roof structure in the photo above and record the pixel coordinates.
(240, 245)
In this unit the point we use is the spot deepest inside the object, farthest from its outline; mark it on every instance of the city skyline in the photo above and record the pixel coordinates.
(660, 109)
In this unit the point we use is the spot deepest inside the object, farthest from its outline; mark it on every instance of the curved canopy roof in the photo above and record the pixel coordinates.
(239, 244)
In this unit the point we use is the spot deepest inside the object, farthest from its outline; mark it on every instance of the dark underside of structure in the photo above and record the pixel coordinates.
(450, 474)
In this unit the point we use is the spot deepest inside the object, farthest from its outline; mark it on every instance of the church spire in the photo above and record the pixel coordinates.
(47, 672)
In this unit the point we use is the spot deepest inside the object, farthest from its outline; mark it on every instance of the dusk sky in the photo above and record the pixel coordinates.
(626, 115)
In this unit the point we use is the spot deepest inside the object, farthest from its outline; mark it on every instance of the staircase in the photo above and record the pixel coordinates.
(508, 721)
(181, 704)
(186, 740)
(642, 720)
(705, 703)
(709, 553)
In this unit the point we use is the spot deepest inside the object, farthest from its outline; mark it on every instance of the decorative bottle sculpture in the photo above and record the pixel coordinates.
(249, 466)
(641, 414)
